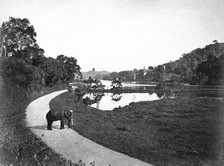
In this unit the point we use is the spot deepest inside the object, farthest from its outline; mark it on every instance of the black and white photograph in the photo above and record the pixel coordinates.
(112, 82)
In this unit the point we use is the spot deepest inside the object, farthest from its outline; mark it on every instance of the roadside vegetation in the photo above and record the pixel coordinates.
(25, 74)
(19, 146)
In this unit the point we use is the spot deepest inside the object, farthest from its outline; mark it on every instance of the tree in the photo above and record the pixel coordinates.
(150, 75)
(53, 71)
(169, 67)
(114, 75)
(116, 84)
(23, 64)
(215, 41)
(212, 69)
(70, 66)
(150, 68)
(18, 50)
(126, 76)
(19, 39)
(159, 73)
(140, 75)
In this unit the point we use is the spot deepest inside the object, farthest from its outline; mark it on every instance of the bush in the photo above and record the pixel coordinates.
(18, 78)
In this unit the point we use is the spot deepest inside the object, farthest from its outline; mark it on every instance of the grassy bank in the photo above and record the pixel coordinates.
(18, 145)
(182, 131)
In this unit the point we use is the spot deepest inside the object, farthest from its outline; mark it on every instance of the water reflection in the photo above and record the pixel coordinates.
(92, 98)
(166, 95)
(109, 101)
(116, 96)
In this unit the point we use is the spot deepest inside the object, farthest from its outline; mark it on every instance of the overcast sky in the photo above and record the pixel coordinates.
(117, 35)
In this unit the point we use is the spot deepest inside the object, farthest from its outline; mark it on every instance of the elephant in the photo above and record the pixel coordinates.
(59, 114)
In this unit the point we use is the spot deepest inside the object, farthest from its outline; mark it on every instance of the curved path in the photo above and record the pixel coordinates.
(68, 142)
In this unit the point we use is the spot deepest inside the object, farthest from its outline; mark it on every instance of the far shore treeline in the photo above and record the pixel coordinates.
(202, 66)
(24, 67)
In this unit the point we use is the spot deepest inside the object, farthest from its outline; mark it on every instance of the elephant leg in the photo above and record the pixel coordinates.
(69, 123)
(49, 124)
(62, 124)
(72, 121)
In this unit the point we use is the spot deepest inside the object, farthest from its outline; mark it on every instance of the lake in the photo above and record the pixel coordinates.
(109, 101)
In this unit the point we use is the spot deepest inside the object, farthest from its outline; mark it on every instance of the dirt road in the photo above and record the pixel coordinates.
(68, 142)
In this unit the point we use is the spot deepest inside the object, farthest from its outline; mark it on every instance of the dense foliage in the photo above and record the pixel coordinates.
(23, 64)
(116, 84)
(194, 67)
(93, 84)
(211, 71)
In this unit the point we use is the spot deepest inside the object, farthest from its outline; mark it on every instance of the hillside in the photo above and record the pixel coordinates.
(184, 69)
(195, 57)
(186, 65)
(95, 74)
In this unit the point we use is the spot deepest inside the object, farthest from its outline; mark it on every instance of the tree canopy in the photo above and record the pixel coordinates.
(23, 63)
(211, 71)
(18, 37)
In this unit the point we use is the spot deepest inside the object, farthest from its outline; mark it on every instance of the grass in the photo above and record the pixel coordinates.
(182, 131)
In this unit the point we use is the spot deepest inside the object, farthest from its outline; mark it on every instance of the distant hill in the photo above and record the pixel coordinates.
(183, 69)
(198, 55)
(95, 74)
(187, 64)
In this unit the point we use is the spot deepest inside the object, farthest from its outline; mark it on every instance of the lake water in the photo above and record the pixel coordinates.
(109, 101)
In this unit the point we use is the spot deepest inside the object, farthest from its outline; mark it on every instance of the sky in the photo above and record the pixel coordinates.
(117, 35)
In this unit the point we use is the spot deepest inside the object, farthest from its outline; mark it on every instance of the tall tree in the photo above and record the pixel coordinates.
(159, 73)
(70, 65)
(18, 38)
(53, 71)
